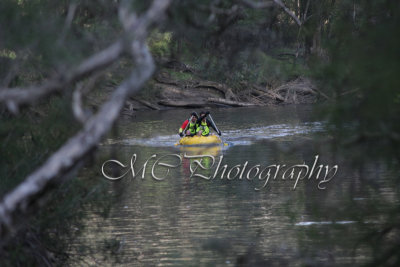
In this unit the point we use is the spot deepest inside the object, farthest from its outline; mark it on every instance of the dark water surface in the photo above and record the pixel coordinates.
(192, 221)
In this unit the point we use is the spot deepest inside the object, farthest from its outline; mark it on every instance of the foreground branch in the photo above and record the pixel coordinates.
(31, 193)
(15, 97)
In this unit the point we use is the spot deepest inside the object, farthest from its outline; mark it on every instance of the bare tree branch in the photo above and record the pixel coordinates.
(288, 11)
(260, 5)
(82, 88)
(77, 106)
(68, 21)
(15, 97)
(306, 11)
(126, 18)
(30, 193)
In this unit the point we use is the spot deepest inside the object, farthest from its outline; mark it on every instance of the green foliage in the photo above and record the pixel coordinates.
(7, 54)
(26, 142)
(362, 75)
(232, 47)
(55, 227)
(29, 138)
(267, 68)
(160, 43)
(36, 43)
(253, 66)
(40, 40)
(179, 75)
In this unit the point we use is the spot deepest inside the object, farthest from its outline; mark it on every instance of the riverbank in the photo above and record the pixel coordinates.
(179, 86)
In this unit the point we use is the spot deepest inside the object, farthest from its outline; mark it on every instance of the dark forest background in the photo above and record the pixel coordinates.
(63, 63)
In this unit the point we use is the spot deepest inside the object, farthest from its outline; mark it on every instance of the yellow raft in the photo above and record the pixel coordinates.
(200, 140)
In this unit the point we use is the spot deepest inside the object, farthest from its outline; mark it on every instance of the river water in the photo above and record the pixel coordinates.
(192, 213)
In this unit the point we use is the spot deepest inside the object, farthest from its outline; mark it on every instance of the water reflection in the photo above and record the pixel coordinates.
(201, 150)
(194, 221)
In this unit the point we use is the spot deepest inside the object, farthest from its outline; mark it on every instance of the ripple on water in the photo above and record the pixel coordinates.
(232, 137)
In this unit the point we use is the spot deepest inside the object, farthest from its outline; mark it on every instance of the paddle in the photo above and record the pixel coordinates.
(213, 124)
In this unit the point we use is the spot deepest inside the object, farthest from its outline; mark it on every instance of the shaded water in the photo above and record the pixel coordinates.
(184, 220)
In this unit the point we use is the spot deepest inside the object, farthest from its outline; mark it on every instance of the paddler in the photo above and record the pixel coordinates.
(204, 124)
(189, 126)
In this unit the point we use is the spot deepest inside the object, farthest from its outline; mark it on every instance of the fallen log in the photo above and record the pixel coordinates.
(202, 103)
(182, 104)
(269, 94)
(298, 89)
(229, 102)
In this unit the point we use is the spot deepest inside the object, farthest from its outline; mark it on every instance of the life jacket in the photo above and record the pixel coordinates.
(192, 127)
(203, 126)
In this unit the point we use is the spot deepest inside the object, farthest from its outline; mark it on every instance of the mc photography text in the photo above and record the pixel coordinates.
(208, 167)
